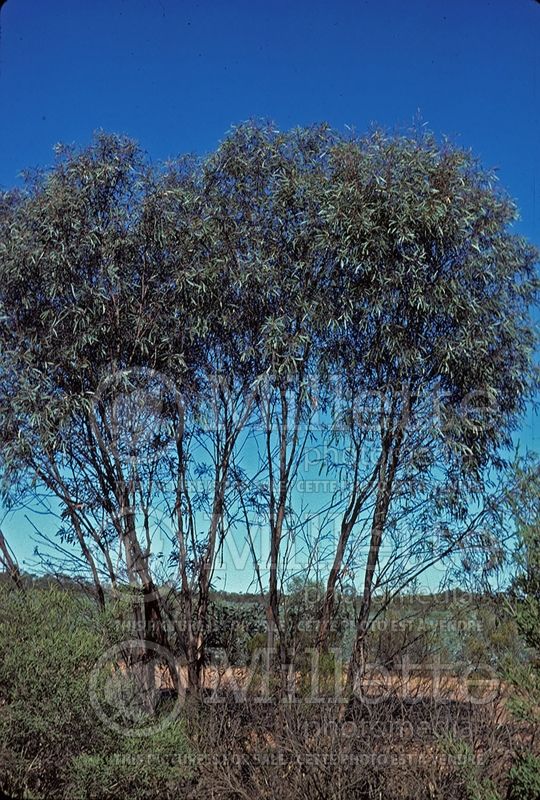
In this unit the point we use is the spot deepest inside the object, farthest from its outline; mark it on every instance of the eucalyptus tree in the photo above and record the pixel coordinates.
(149, 315)
(202, 238)
(111, 335)
(168, 334)
(270, 186)
(431, 293)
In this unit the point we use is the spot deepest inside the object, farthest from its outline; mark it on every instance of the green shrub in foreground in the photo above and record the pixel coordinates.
(52, 743)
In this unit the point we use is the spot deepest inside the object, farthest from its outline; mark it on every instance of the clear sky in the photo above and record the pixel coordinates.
(177, 75)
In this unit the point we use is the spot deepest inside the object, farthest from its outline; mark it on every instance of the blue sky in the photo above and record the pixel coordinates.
(177, 75)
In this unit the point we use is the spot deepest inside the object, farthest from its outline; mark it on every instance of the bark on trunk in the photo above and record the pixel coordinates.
(9, 562)
(277, 519)
(391, 450)
(349, 520)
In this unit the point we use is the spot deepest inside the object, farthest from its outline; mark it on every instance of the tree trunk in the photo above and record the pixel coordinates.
(329, 598)
(391, 449)
(147, 609)
(349, 520)
(10, 563)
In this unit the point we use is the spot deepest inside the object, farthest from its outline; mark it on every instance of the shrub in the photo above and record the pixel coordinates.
(148, 768)
(52, 743)
(49, 642)
(525, 778)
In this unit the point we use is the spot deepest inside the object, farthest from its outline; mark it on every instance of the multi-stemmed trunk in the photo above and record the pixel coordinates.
(388, 465)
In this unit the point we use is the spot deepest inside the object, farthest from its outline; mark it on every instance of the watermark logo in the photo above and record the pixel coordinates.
(131, 688)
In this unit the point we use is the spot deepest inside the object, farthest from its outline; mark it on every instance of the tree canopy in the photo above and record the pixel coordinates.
(158, 322)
